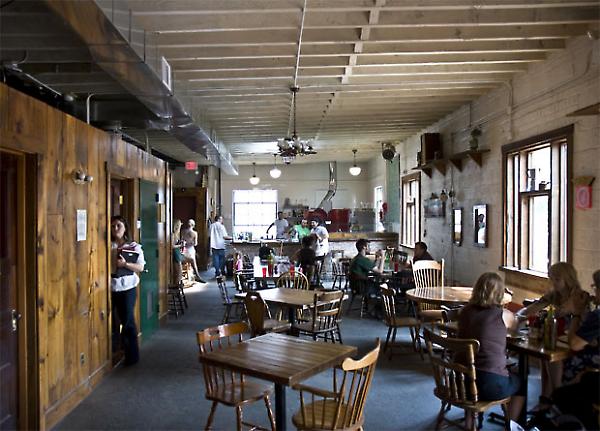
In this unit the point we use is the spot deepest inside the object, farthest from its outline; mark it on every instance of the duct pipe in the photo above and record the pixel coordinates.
(332, 184)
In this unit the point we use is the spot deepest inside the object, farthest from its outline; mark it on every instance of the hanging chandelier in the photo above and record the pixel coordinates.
(289, 148)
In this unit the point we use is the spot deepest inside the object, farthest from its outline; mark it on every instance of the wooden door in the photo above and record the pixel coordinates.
(149, 240)
(190, 203)
(9, 306)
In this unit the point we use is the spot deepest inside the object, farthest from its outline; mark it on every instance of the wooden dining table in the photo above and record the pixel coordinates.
(290, 298)
(282, 359)
(447, 295)
(526, 348)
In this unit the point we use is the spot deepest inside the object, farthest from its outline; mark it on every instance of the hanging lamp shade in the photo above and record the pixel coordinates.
(275, 172)
(254, 180)
(354, 169)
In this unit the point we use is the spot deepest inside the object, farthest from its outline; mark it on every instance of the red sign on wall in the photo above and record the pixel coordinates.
(191, 166)
(583, 197)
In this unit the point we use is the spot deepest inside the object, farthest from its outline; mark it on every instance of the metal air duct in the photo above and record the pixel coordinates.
(332, 184)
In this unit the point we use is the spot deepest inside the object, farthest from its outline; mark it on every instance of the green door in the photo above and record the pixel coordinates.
(149, 241)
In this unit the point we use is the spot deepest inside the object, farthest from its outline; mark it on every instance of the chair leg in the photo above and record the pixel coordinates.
(181, 291)
(480, 420)
(387, 340)
(393, 342)
(270, 412)
(211, 415)
(226, 314)
(339, 334)
(440, 416)
(506, 417)
(238, 414)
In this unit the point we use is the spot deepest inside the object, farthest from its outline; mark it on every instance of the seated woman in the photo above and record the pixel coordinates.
(484, 319)
(582, 371)
(564, 287)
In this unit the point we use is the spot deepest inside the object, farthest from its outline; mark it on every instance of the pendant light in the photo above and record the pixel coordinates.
(275, 172)
(354, 169)
(254, 180)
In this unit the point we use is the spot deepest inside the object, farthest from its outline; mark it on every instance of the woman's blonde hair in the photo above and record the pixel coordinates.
(488, 290)
(567, 273)
(176, 228)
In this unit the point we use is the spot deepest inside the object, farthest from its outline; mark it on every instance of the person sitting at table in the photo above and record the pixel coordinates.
(582, 370)
(564, 289)
(305, 257)
(361, 266)
(421, 252)
(484, 319)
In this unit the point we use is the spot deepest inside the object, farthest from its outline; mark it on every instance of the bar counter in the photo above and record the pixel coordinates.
(340, 243)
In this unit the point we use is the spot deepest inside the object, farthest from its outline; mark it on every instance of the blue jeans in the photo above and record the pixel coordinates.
(492, 386)
(124, 303)
(218, 258)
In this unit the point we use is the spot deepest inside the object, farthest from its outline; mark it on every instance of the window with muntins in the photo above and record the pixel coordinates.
(253, 212)
(537, 202)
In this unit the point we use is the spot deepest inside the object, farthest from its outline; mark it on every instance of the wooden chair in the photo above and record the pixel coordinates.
(339, 276)
(428, 274)
(325, 313)
(229, 304)
(455, 383)
(358, 287)
(177, 302)
(259, 316)
(225, 386)
(343, 407)
(244, 280)
(289, 281)
(393, 322)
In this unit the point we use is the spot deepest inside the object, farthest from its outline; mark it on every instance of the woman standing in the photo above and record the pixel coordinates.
(484, 319)
(127, 261)
(178, 258)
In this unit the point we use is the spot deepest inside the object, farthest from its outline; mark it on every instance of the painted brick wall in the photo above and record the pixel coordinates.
(541, 99)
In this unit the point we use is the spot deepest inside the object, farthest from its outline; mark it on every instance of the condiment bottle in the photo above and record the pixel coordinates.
(550, 330)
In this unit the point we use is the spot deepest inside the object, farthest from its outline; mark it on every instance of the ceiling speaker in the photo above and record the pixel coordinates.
(388, 151)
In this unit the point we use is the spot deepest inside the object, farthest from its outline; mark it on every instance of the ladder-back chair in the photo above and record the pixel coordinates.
(393, 322)
(325, 312)
(229, 304)
(228, 387)
(343, 407)
(455, 383)
(339, 276)
(259, 316)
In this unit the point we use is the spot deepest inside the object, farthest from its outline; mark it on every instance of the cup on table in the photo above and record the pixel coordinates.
(264, 271)
(395, 266)
(292, 270)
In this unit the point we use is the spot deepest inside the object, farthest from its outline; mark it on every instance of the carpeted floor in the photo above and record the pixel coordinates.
(165, 390)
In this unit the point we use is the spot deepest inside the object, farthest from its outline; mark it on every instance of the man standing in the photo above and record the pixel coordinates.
(321, 246)
(302, 229)
(281, 226)
(218, 235)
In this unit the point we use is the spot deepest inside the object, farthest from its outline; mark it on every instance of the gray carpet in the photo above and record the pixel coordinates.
(165, 390)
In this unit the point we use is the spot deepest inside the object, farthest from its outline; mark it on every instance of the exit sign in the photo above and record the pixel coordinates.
(191, 166)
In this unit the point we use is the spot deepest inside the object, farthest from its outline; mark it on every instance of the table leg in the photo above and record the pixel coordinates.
(292, 315)
(280, 420)
(523, 375)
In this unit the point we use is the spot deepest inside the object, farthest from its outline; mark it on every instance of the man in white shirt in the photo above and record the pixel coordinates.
(322, 244)
(218, 235)
(281, 226)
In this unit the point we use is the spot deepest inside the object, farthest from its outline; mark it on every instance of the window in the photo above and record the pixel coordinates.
(411, 217)
(378, 205)
(253, 212)
(536, 216)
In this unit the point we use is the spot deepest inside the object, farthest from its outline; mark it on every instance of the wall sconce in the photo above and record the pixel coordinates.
(80, 177)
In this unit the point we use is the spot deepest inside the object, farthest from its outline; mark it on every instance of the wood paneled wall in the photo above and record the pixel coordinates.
(71, 280)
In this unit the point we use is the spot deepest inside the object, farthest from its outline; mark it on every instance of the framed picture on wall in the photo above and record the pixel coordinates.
(457, 225)
(480, 222)
(434, 207)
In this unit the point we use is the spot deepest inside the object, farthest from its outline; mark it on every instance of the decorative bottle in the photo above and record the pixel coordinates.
(550, 330)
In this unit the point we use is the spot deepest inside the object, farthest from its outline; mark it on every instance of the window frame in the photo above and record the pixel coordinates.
(405, 180)
(262, 202)
(520, 274)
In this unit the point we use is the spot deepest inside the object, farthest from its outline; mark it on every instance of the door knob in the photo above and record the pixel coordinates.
(16, 316)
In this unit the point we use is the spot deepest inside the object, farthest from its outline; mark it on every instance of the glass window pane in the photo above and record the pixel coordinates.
(538, 168)
(538, 233)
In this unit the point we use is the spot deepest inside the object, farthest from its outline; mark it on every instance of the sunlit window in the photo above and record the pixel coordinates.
(253, 212)
(411, 225)
(536, 202)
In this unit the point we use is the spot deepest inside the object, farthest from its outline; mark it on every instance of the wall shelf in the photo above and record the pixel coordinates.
(437, 164)
(475, 155)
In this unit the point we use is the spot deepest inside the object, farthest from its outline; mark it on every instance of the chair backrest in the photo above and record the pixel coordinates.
(326, 309)
(216, 338)
(388, 298)
(256, 310)
(243, 279)
(289, 281)
(221, 284)
(336, 268)
(428, 273)
(454, 373)
(355, 385)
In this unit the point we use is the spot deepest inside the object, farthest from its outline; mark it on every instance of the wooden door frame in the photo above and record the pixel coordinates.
(198, 193)
(28, 378)
(132, 214)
